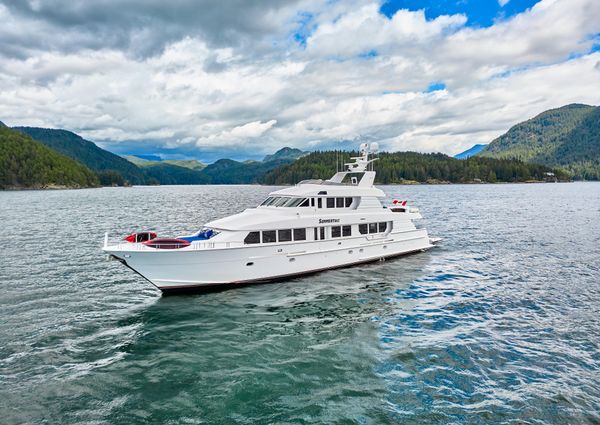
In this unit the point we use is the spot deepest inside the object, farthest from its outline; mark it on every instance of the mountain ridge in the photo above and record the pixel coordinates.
(28, 164)
(567, 137)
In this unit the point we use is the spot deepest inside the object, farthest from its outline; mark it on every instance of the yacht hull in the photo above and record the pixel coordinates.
(177, 270)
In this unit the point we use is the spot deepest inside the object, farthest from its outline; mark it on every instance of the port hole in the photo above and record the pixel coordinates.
(350, 252)
(250, 263)
(292, 260)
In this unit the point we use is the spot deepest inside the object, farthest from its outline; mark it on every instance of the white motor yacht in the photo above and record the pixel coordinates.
(313, 226)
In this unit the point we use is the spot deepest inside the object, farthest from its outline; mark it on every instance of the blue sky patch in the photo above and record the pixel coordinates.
(480, 13)
(305, 27)
(437, 86)
(369, 54)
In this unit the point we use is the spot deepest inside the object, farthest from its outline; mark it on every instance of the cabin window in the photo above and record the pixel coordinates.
(269, 236)
(299, 234)
(363, 229)
(336, 231)
(348, 202)
(322, 232)
(304, 203)
(320, 202)
(266, 201)
(312, 202)
(372, 227)
(382, 227)
(339, 202)
(316, 234)
(346, 230)
(285, 235)
(252, 237)
(330, 202)
(295, 202)
(280, 202)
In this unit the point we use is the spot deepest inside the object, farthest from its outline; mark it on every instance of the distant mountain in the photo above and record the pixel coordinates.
(567, 137)
(285, 154)
(228, 171)
(192, 164)
(164, 173)
(399, 167)
(148, 157)
(470, 152)
(26, 163)
(107, 165)
(2, 124)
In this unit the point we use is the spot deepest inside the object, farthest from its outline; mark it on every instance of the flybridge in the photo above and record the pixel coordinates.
(360, 165)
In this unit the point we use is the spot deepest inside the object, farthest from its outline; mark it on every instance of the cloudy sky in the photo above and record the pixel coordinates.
(206, 79)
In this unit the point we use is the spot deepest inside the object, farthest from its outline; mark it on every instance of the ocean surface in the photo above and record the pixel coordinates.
(499, 324)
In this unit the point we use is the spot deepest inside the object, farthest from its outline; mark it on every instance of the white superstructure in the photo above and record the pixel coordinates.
(313, 226)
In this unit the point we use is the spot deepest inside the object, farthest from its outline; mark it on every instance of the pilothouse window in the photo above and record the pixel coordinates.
(299, 234)
(252, 237)
(285, 235)
(269, 236)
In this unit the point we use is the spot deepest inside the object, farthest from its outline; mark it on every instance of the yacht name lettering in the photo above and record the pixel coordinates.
(329, 220)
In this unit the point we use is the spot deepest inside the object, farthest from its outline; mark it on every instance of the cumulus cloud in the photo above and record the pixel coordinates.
(244, 78)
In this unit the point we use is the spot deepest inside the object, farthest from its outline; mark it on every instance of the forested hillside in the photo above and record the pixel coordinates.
(567, 137)
(25, 163)
(400, 167)
(107, 165)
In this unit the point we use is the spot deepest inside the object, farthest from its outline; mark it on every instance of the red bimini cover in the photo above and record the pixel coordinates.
(167, 243)
(140, 237)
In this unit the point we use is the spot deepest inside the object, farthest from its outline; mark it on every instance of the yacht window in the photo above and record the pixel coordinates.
(336, 231)
(285, 235)
(299, 234)
(266, 201)
(294, 202)
(316, 234)
(322, 232)
(269, 236)
(339, 202)
(312, 202)
(382, 227)
(346, 230)
(320, 202)
(348, 202)
(372, 227)
(330, 202)
(281, 202)
(252, 237)
(304, 203)
(363, 229)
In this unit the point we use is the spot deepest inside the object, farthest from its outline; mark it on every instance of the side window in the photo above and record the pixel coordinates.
(330, 202)
(252, 237)
(299, 234)
(382, 227)
(312, 202)
(322, 232)
(372, 227)
(266, 201)
(285, 235)
(305, 203)
(269, 236)
(339, 202)
(346, 230)
(320, 202)
(362, 228)
(336, 231)
(348, 202)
